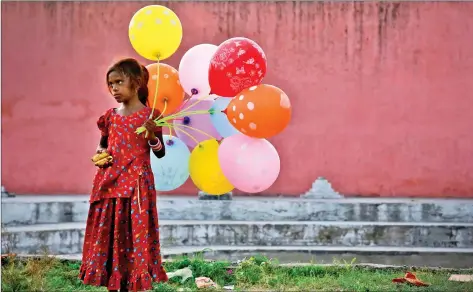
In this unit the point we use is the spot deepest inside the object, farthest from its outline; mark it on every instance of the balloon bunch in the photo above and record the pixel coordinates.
(228, 116)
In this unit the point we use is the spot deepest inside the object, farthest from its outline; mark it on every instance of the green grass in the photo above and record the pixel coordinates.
(254, 274)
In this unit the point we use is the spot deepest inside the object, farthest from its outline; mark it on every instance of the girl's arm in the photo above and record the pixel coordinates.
(103, 123)
(103, 144)
(158, 140)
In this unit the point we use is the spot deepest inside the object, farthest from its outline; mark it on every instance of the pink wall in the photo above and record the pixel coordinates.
(382, 93)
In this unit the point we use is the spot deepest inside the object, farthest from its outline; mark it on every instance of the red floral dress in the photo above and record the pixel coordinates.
(121, 245)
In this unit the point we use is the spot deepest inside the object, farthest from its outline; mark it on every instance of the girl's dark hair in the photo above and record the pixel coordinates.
(137, 73)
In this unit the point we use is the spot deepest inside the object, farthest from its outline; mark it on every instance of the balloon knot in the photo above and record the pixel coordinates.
(186, 120)
(194, 91)
(225, 111)
(169, 142)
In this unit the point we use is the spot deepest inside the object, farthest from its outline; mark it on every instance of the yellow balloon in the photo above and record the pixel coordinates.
(205, 169)
(155, 32)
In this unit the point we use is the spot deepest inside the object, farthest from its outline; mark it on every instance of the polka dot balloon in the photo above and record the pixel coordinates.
(170, 90)
(261, 111)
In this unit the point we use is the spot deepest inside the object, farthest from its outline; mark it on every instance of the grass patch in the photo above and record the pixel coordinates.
(255, 274)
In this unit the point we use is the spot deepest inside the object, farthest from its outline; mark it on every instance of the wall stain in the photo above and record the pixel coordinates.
(302, 22)
(244, 11)
(51, 8)
(307, 24)
(221, 17)
(52, 103)
(231, 16)
(358, 16)
(321, 9)
(279, 13)
(294, 20)
(313, 27)
(382, 26)
(329, 14)
(395, 11)
(74, 8)
(258, 20)
(226, 11)
(344, 8)
(7, 110)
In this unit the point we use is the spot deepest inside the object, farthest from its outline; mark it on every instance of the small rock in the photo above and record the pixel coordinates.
(184, 273)
(204, 282)
(461, 278)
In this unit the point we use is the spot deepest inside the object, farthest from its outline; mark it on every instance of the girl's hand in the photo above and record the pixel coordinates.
(99, 156)
(100, 149)
(151, 128)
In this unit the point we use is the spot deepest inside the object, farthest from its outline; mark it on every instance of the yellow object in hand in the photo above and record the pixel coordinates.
(104, 161)
(100, 156)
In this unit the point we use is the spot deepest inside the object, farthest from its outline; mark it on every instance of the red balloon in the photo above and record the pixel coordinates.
(238, 63)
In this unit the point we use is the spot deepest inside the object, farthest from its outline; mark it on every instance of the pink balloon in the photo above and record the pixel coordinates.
(201, 122)
(251, 165)
(194, 70)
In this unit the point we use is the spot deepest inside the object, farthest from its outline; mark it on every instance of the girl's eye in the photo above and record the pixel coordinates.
(120, 82)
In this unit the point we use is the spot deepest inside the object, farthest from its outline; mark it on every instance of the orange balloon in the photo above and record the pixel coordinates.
(261, 111)
(170, 90)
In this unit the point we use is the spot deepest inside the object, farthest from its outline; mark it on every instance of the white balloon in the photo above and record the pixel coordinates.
(194, 70)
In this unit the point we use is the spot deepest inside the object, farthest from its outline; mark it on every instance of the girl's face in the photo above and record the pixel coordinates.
(120, 87)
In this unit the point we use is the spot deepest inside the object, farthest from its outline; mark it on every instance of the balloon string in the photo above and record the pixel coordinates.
(183, 114)
(163, 122)
(156, 94)
(168, 125)
(142, 129)
(197, 130)
(170, 131)
(164, 109)
(184, 103)
(155, 98)
(178, 111)
(195, 103)
(184, 132)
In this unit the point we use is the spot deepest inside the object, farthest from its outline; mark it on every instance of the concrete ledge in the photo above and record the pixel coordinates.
(446, 259)
(388, 256)
(67, 238)
(338, 263)
(23, 210)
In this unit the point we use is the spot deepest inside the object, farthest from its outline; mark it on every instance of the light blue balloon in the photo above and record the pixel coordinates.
(171, 171)
(220, 120)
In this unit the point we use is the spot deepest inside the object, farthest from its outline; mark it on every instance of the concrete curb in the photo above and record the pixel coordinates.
(27, 210)
(234, 265)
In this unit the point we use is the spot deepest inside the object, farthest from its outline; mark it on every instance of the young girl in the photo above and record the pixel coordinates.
(121, 246)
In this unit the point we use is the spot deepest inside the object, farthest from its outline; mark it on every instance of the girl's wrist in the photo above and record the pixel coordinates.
(151, 136)
(155, 144)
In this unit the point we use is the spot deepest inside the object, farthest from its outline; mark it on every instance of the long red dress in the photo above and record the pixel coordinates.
(121, 245)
